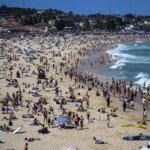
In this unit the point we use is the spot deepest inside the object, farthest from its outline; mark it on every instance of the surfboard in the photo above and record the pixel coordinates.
(132, 125)
(17, 129)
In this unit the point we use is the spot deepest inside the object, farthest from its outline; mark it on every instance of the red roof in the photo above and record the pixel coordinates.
(9, 23)
(29, 27)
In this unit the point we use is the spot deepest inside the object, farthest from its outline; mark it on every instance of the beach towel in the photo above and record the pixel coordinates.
(27, 120)
(31, 92)
(36, 95)
(32, 124)
(3, 103)
(2, 132)
(54, 116)
(27, 98)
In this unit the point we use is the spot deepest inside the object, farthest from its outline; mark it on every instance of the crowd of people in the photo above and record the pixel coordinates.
(64, 80)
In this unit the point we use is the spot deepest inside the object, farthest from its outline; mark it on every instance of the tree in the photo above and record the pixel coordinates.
(35, 20)
(59, 25)
(138, 18)
(87, 25)
(110, 24)
(30, 21)
(129, 16)
(119, 20)
(98, 25)
(26, 21)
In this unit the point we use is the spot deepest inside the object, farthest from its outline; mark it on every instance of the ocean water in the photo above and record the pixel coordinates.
(132, 63)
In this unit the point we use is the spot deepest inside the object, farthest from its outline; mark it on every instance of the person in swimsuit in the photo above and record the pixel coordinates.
(81, 122)
(108, 120)
(76, 121)
(88, 116)
(31, 139)
(49, 120)
(26, 146)
(45, 112)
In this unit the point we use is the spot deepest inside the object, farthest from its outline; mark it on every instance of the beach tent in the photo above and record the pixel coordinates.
(70, 147)
(63, 119)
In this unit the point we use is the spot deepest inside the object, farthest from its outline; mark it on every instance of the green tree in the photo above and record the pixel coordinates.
(26, 22)
(110, 25)
(119, 20)
(59, 25)
(35, 20)
(30, 21)
(87, 25)
(98, 25)
(129, 16)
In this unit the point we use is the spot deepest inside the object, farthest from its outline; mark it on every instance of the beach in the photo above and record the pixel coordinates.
(74, 52)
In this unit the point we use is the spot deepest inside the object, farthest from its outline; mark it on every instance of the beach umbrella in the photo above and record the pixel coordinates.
(63, 119)
(70, 147)
(7, 78)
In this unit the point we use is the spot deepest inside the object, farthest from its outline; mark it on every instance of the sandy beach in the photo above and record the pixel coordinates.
(48, 53)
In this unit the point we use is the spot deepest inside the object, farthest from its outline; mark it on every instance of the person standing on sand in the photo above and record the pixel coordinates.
(108, 101)
(49, 120)
(81, 122)
(124, 106)
(144, 114)
(45, 112)
(108, 120)
(87, 103)
(88, 116)
(26, 146)
(76, 122)
(144, 102)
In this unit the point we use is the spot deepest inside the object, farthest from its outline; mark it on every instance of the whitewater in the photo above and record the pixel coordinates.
(132, 63)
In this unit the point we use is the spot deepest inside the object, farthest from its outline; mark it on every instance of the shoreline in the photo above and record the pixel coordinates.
(103, 79)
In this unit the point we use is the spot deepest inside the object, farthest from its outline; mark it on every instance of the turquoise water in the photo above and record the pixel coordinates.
(132, 64)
